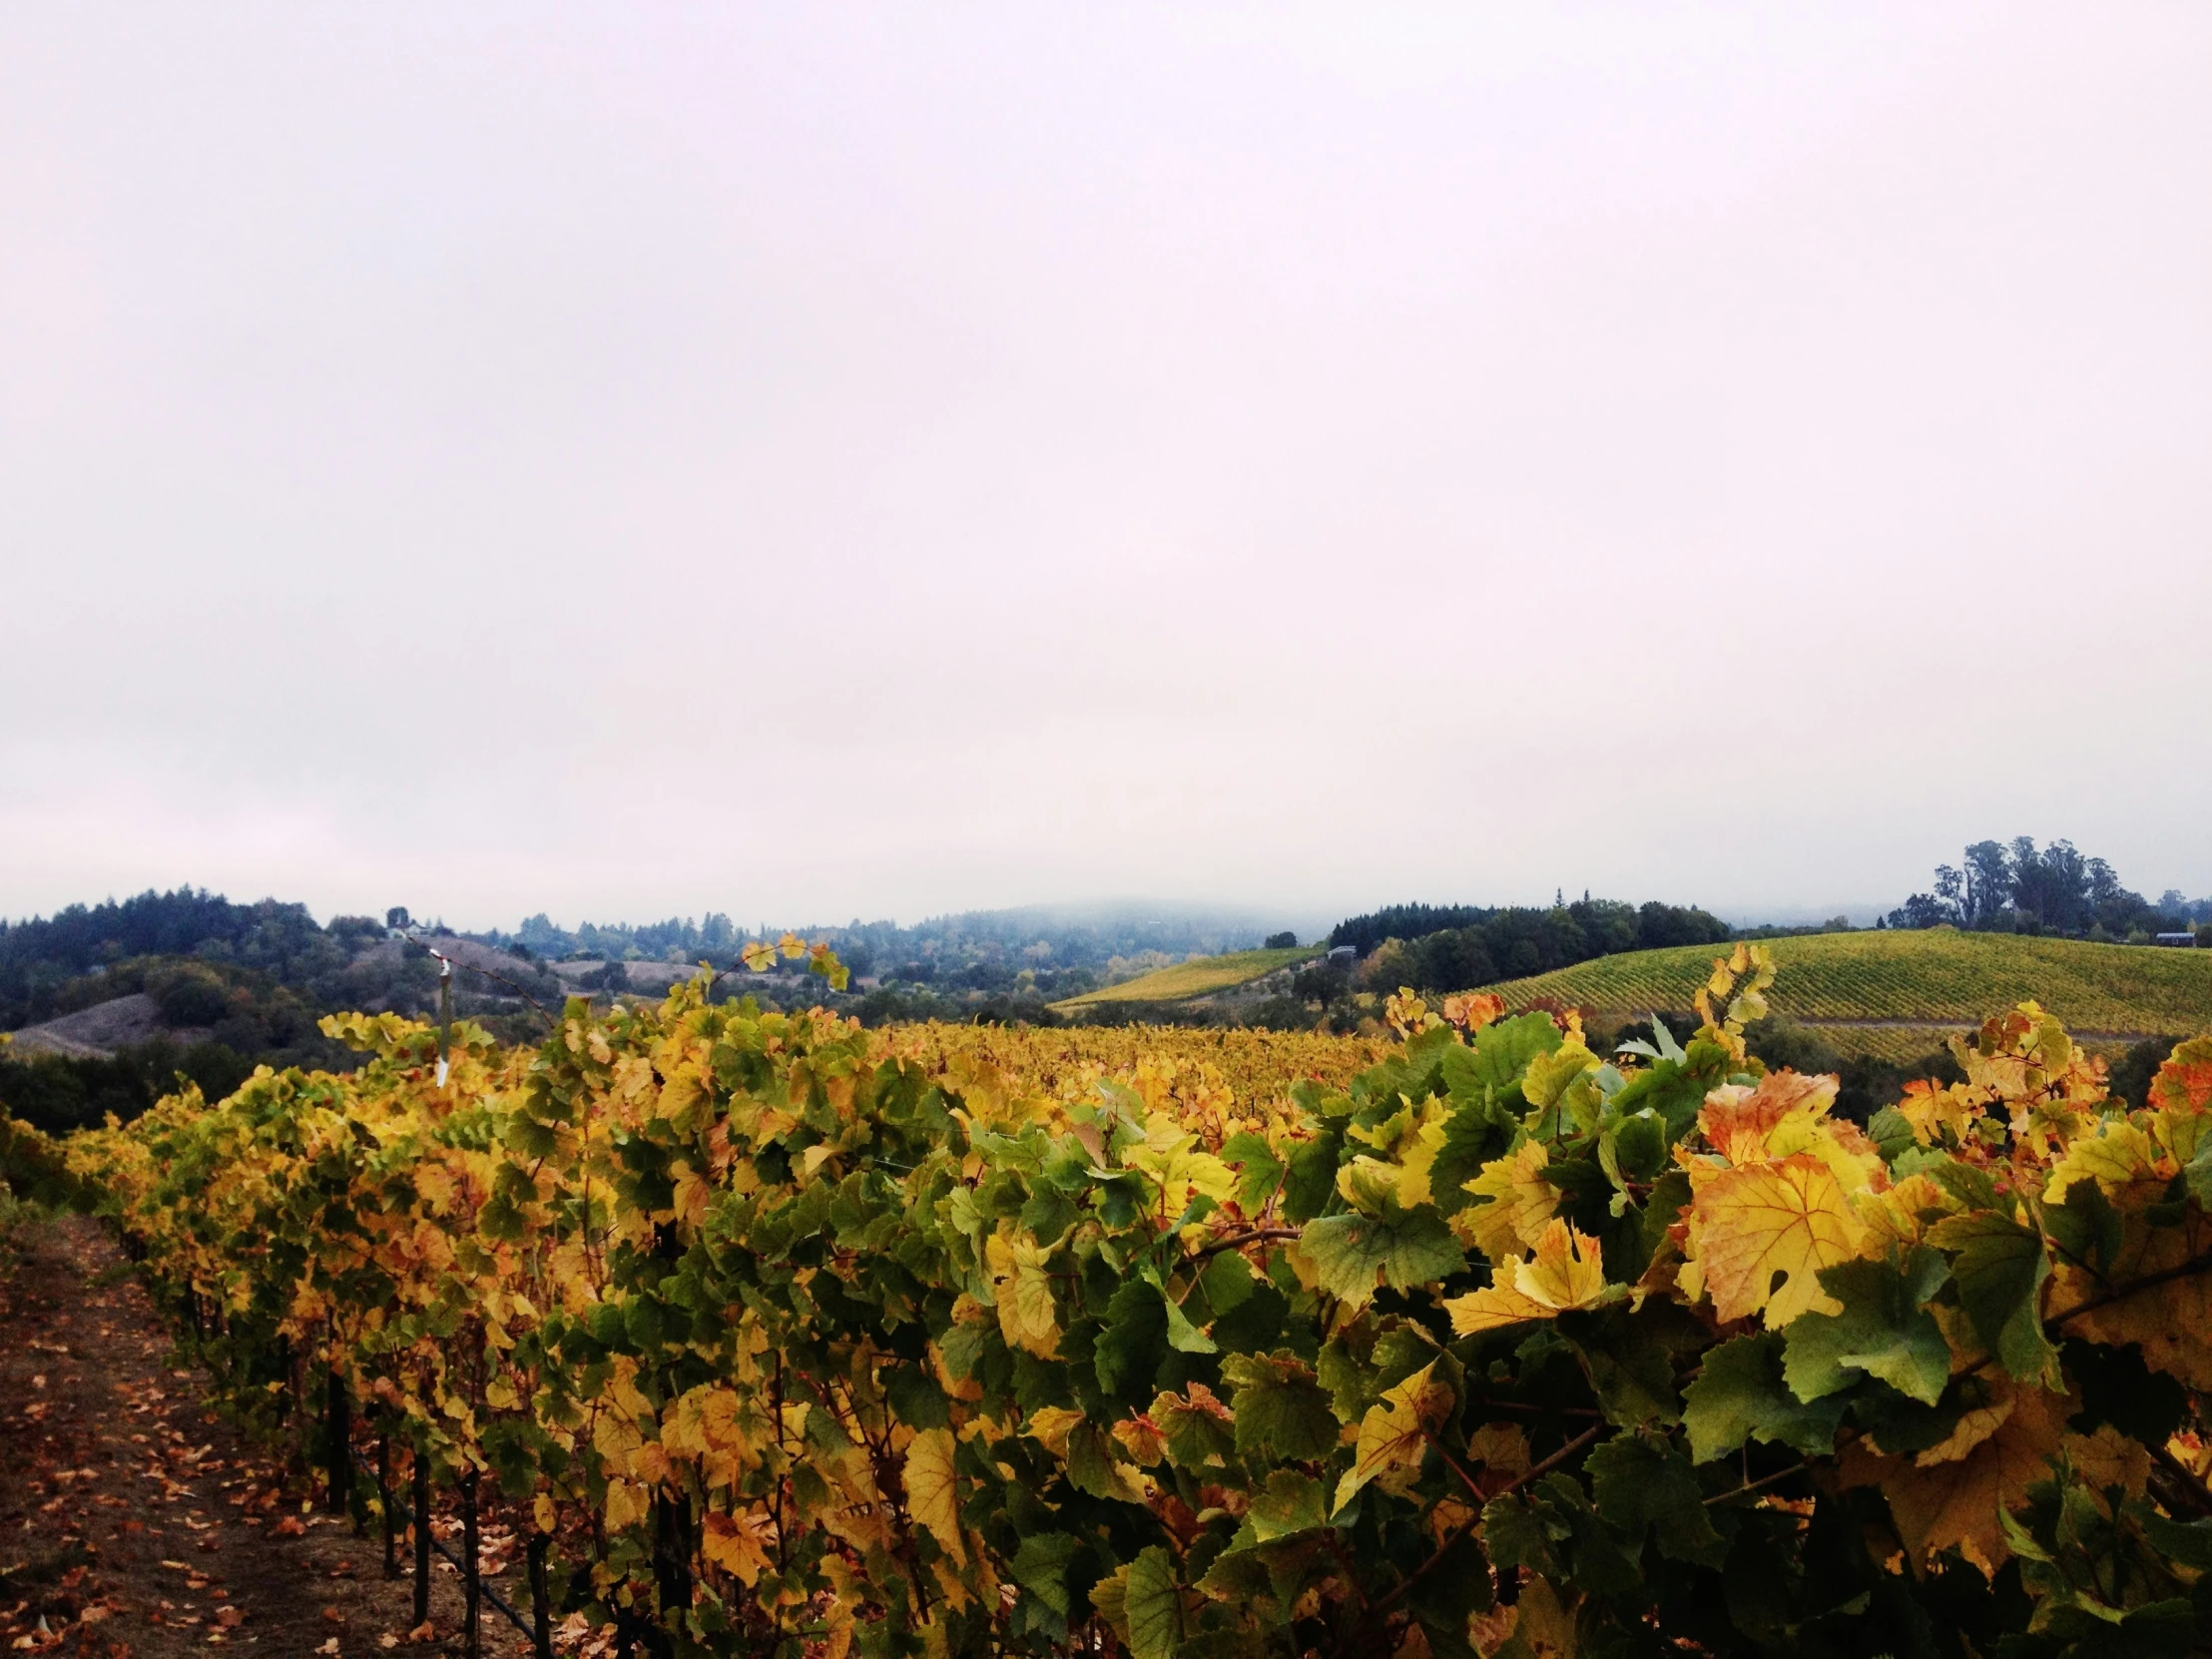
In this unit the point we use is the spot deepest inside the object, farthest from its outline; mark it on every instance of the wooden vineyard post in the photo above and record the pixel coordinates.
(337, 1426)
(541, 1613)
(471, 1592)
(671, 1552)
(422, 1536)
(384, 1496)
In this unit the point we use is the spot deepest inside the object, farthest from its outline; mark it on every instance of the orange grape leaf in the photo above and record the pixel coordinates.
(1738, 1120)
(1791, 1218)
(1474, 1010)
(2185, 1080)
(738, 1543)
(1975, 1425)
(2181, 1098)
(2171, 1319)
(1961, 1499)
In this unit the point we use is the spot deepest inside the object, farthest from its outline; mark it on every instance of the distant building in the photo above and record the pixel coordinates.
(1343, 956)
(2184, 941)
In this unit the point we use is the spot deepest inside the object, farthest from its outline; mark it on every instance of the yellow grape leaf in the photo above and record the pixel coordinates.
(543, 1513)
(2110, 1458)
(2117, 1157)
(1739, 1119)
(1366, 1184)
(1407, 1012)
(1567, 1271)
(690, 1201)
(1540, 1625)
(738, 1543)
(2190, 1450)
(932, 1490)
(1549, 1076)
(1493, 1308)
(627, 1504)
(1395, 1432)
(1941, 1113)
(1749, 1225)
(1973, 1427)
(1958, 1501)
(1049, 1427)
(1903, 1214)
(1025, 1310)
(1523, 1202)
(1501, 1448)
(1418, 1157)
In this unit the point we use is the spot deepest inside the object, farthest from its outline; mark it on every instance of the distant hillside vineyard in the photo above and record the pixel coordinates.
(1895, 994)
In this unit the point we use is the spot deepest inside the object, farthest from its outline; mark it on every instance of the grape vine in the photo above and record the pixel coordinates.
(794, 1338)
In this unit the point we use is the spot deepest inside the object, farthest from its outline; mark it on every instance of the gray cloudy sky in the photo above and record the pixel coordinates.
(812, 461)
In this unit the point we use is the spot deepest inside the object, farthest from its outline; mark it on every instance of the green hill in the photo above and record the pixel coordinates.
(1896, 995)
(1201, 976)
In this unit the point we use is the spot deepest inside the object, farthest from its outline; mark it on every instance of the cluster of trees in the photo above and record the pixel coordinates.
(981, 953)
(246, 983)
(235, 987)
(40, 956)
(221, 1019)
(1454, 947)
(2017, 886)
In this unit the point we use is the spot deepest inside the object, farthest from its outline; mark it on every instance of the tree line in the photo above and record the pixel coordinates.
(2018, 888)
(1455, 946)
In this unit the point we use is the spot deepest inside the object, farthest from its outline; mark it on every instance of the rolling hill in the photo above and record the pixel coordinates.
(1201, 976)
(1895, 995)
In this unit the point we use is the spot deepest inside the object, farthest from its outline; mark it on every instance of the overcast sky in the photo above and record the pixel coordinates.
(812, 462)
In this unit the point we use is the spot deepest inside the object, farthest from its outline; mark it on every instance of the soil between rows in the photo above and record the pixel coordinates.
(136, 1524)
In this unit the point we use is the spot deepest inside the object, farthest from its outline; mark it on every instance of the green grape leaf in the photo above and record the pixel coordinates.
(1040, 1566)
(1640, 1481)
(1183, 1336)
(1404, 1248)
(1630, 1359)
(1883, 1330)
(1999, 1270)
(1741, 1394)
(1282, 1412)
(1312, 1179)
(1133, 1342)
(1152, 1605)
(1288, 1502)
(1198, 1427)
(1492, 1066)
(1260, 1174)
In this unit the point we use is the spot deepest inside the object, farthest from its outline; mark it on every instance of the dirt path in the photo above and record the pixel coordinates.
(135, 1526)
